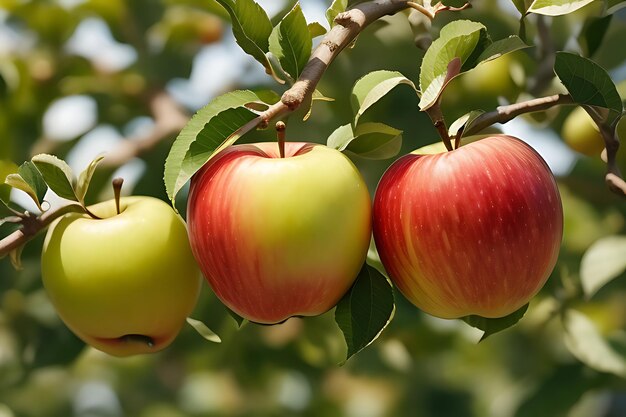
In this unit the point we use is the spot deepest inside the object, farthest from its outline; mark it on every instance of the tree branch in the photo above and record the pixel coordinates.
(169, 119)
(504, 114)
(32, 226)
(348, 25)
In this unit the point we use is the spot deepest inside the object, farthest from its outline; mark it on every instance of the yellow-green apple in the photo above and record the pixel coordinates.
(279, 237)
(474, 231)
(581, 133)
(124, 283)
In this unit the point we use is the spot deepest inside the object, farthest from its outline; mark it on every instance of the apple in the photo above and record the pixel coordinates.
(124, 283)
(279, 237)
(581, 133)
(474, 231)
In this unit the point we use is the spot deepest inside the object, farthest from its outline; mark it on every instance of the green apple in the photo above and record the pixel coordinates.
(581, 134)
(124, 283)
(492, 78)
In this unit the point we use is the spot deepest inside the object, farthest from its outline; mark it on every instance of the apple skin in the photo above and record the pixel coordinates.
(279, 237)
(474, 231)
(131, 273)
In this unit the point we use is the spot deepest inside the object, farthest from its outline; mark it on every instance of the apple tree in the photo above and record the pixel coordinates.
(398, 207)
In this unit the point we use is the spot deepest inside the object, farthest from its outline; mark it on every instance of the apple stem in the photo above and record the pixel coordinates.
(280, 135)
(117, 190)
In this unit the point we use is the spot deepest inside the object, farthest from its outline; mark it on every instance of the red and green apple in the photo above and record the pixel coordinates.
(474, 231)
(279, 237)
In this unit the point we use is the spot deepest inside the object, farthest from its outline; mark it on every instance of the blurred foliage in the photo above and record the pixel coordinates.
(420, 366)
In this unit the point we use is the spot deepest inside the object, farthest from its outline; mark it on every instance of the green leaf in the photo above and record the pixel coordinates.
(522, 5)
(615, 5)
(584, 341)
(463, 122)
(291, 43)
(373, 259)
(251, 27)
(501, 47)
(6, 168)
(367, 140)
(557, 7)
(336, 7)
(203, 330)
(316, 96)
(175, 176)
(85, 178)
(364, 312)
(57, 174)
(219, 133)
(316, 29)
(492, 326)
(31, 175)
(457, 39)
(372, 87)
(16, 181)
(16, 258)
(589, 84)
(602, 262)
(238, 319)
(592, 33)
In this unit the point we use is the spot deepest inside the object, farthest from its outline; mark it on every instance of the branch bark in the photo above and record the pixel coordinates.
(33, 227)
(504, 114)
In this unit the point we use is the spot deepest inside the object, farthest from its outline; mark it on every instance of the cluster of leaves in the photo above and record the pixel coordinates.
(35, 177)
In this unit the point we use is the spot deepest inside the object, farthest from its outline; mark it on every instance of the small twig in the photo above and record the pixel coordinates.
(33, 225)
(423, 10)
(436, 116)
(504, 114)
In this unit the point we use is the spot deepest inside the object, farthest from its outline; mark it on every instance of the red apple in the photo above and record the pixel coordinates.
(279, 237)
(473, 231)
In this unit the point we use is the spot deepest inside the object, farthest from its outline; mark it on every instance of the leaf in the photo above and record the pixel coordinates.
(373, 259)
(522, 6)
(203, 330)
(16, 257)
(372, 87)
(175, 177)
(457, 39)
(56, 346)
(57, 174)
(501, 47)
(592, 33)
(584, 341)
(368, 140)
(251, 27)
(316, 29)
(556, 7)
(16, 181)
(336, 7)
(492, 326)
(463, 122)
(33, 178)
(615, 5)
(219, 133)
(589, 84)
(238, 319)
(602, 262)
(316, 96)
(364, 312)
(291, 43)
(85, 178)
